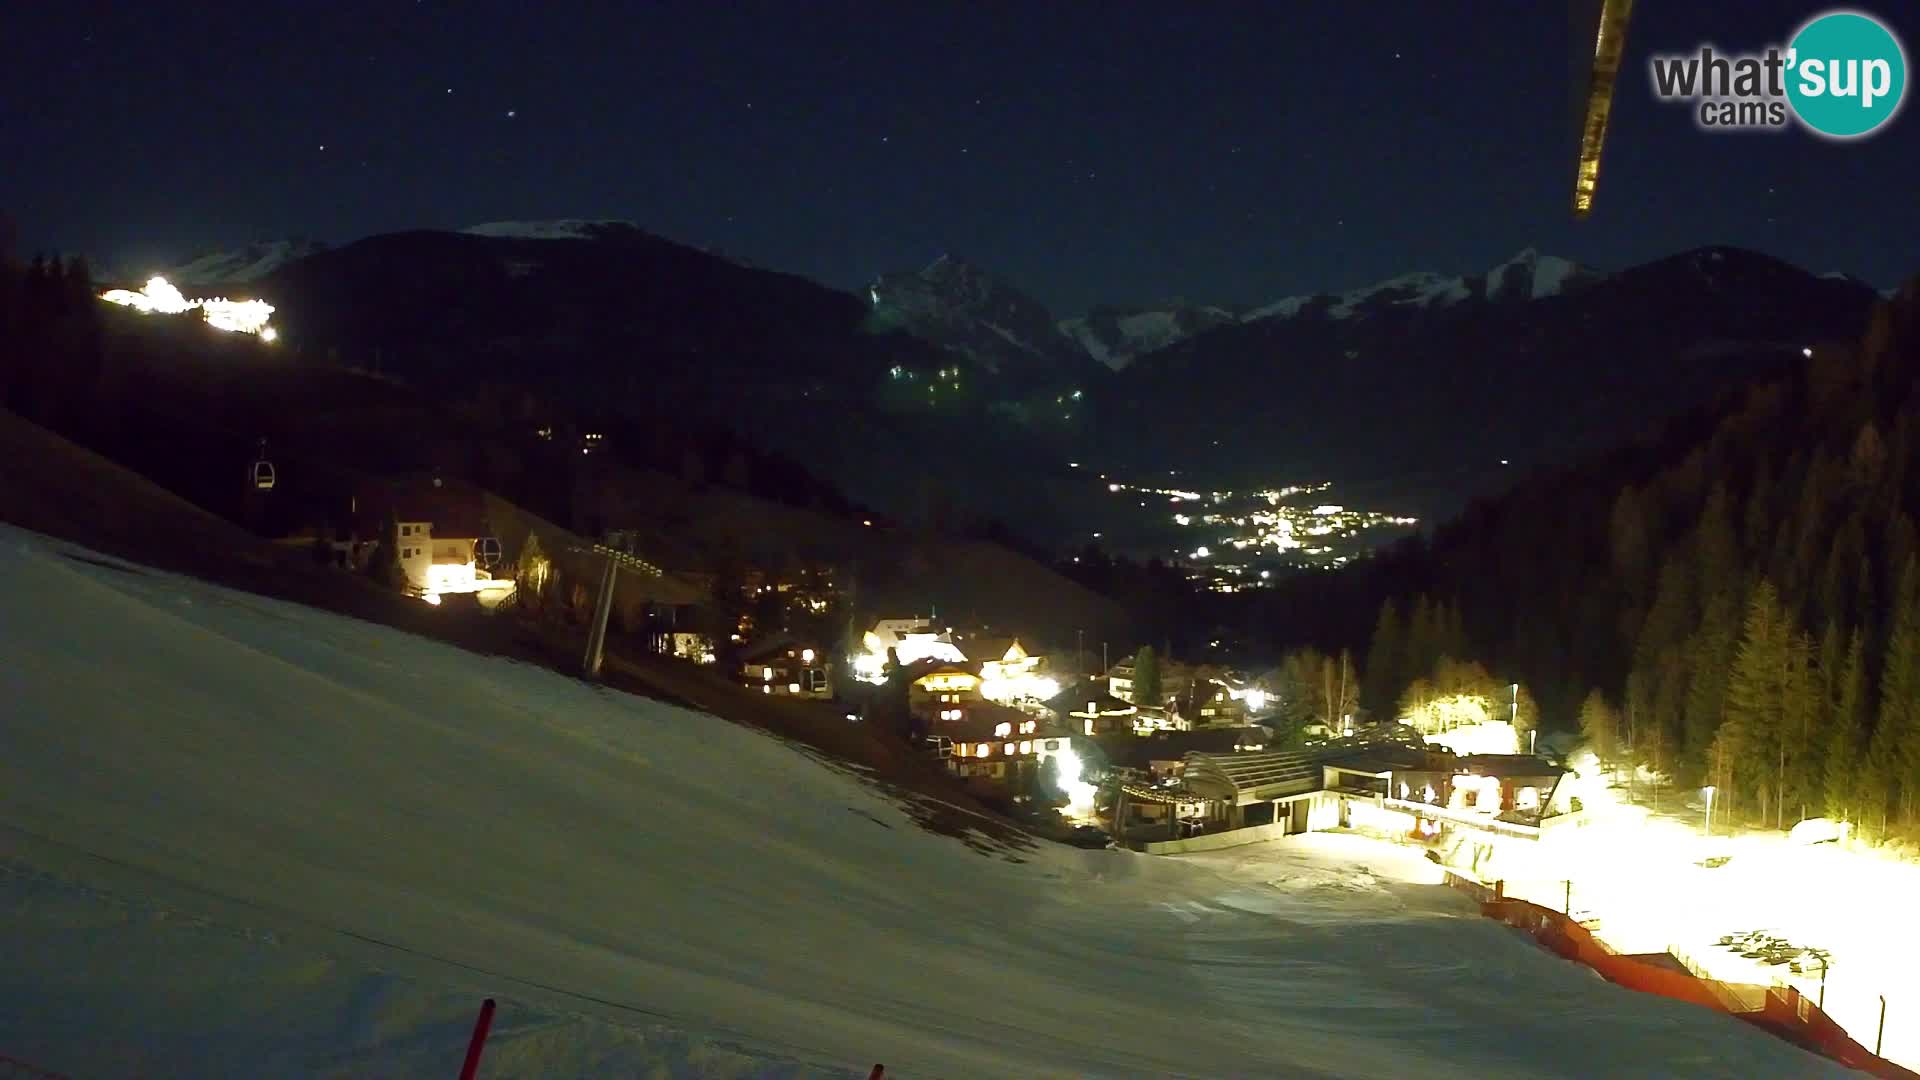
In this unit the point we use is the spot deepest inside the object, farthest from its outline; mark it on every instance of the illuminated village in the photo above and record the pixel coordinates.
(1239, 538)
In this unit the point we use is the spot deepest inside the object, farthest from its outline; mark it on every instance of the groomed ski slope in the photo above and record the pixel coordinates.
(239, 837)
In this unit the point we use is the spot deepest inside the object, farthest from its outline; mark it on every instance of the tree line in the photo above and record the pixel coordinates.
(1730, 600)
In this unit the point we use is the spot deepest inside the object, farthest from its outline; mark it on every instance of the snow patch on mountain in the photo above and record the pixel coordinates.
(1115, 336)
(1083, 335)
(1421, 289)
(1527, 276)
(1533, 275)
(249, 263)
(558, 229)
(1285, 308)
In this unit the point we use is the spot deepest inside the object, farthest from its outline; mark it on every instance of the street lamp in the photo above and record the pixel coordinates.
(1708, 792)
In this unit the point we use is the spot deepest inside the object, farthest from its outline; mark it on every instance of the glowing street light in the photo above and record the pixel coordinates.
(1708, 792)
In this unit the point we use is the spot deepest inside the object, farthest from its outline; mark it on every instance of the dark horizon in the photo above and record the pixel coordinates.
(1139, 154)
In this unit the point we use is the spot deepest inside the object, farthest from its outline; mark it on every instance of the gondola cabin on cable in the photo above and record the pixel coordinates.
(260, 475)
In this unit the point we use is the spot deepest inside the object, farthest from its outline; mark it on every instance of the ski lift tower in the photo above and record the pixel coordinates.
(616, 560)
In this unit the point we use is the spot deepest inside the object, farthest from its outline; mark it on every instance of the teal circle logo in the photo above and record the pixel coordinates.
(1846, 75)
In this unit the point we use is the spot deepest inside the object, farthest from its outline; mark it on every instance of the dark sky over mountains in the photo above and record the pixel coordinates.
(1229, 153)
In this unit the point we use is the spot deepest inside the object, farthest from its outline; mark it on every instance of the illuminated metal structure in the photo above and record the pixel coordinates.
(1609, 43)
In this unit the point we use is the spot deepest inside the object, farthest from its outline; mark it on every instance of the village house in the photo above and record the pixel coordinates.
(1009, 673)
(1174, 679)
(446, 542)
(905, 641)
(690, 645)
(942, 692)
(1087, 709)
(786, 666)
(1470, 807)
(999, 747)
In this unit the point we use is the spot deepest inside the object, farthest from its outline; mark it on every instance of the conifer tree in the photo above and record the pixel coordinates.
(1386, 657)
(1847, 737)
(1146, 678)
(1599, 724)
(1897, 734)
(386, 567)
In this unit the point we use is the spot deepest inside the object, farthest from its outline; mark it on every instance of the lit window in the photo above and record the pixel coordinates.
(983, 749)
(806, 656)
(1026, 747)
(766, 674)
(1009, 748)
(766, 689)
(1003, 730)
(793, 688)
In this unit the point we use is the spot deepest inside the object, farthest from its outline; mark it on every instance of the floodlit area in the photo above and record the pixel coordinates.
(1653, 882)
(247, 838)
(159, 296)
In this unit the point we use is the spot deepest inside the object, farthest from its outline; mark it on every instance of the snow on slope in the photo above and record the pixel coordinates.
(247, 838)
(250, 263)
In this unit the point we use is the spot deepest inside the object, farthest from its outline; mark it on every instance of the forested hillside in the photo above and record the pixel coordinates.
(1736, 601)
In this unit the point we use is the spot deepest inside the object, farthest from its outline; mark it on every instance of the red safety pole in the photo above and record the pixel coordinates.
(479, 1040)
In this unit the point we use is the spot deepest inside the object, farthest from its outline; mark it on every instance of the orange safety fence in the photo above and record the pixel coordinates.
(1783, 1011)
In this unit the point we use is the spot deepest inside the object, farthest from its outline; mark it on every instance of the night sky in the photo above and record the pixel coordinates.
(1088, 152)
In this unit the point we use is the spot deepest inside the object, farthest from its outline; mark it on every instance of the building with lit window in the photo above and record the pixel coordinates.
(786, 666)
(443, 527)
(999, 747)
(1087, 709)
(943, 692)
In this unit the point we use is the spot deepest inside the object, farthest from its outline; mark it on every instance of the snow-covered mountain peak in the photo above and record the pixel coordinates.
(1115, 336)
(967, 309)
(1532, 276)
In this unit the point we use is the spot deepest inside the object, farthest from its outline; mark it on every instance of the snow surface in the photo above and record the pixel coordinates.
(247, 838)
(1628, 867)
(559, 229)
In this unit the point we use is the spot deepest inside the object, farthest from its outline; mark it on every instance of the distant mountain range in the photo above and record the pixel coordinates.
(1429, 388)
(970, 311)
(1417, 390)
